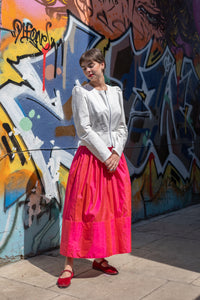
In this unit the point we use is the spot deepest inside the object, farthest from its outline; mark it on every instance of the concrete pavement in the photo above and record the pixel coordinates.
(164, 265)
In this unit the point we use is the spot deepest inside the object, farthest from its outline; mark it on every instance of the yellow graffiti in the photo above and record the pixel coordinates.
(11, 54)
(162, 183)
(27, 177)
(63, 175)
(14, 175)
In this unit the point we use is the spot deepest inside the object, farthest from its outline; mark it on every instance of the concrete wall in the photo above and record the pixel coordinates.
(152, 51)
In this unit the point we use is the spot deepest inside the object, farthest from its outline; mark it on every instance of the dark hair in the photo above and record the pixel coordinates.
(92, 55)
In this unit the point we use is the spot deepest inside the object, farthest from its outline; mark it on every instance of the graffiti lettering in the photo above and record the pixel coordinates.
(26, 32)
(14, 143)
(157, 65)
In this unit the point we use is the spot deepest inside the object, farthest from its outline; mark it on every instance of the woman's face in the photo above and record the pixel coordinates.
(93, 70)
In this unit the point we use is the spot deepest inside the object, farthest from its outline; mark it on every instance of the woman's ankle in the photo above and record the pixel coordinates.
(98, 260)
(68, 267)
(69, 263)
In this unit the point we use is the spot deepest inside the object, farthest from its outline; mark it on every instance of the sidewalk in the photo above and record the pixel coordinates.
(164, 265)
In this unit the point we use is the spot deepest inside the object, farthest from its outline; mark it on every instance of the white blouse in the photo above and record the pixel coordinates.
(99, 119)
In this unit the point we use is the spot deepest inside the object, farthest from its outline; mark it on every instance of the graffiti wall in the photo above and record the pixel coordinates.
(152, 51)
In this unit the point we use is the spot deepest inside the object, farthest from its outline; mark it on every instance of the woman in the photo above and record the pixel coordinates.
(97, 210)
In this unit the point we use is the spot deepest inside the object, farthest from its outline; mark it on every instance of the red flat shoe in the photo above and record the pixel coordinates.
(108, 269)
(66, 281)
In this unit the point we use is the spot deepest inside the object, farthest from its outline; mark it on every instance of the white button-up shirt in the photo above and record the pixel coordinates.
(99, 119)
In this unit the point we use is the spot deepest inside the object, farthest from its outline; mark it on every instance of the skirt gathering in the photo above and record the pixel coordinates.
(97, 210)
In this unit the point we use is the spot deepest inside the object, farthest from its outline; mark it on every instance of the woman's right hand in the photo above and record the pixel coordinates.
(112, 162)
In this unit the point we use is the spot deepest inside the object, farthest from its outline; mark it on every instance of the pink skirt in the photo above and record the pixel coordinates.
(97, 209)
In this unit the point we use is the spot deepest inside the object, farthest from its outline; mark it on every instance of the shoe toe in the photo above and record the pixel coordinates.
(63, 282)
(66, 281)
(111, 271)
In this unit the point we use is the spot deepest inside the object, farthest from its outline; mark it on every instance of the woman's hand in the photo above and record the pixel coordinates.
(112, 162)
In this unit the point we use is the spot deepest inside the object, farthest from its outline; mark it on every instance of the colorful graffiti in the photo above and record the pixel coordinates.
(154, 61)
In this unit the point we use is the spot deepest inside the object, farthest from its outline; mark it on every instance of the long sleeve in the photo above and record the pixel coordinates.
(121, 132)
(82, 121)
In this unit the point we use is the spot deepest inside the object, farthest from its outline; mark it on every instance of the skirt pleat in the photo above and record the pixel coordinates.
(97, 209)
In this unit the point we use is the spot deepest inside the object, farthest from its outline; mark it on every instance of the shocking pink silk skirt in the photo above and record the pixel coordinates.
(97, 209)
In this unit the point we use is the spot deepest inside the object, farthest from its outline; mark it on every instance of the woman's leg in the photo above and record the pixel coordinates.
(99, 259)
(68, 266)
(65, 277)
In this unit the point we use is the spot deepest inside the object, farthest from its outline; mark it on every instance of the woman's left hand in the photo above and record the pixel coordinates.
(112, 162)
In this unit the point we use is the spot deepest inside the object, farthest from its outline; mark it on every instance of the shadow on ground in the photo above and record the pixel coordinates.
(53, 263)
(172, 239)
